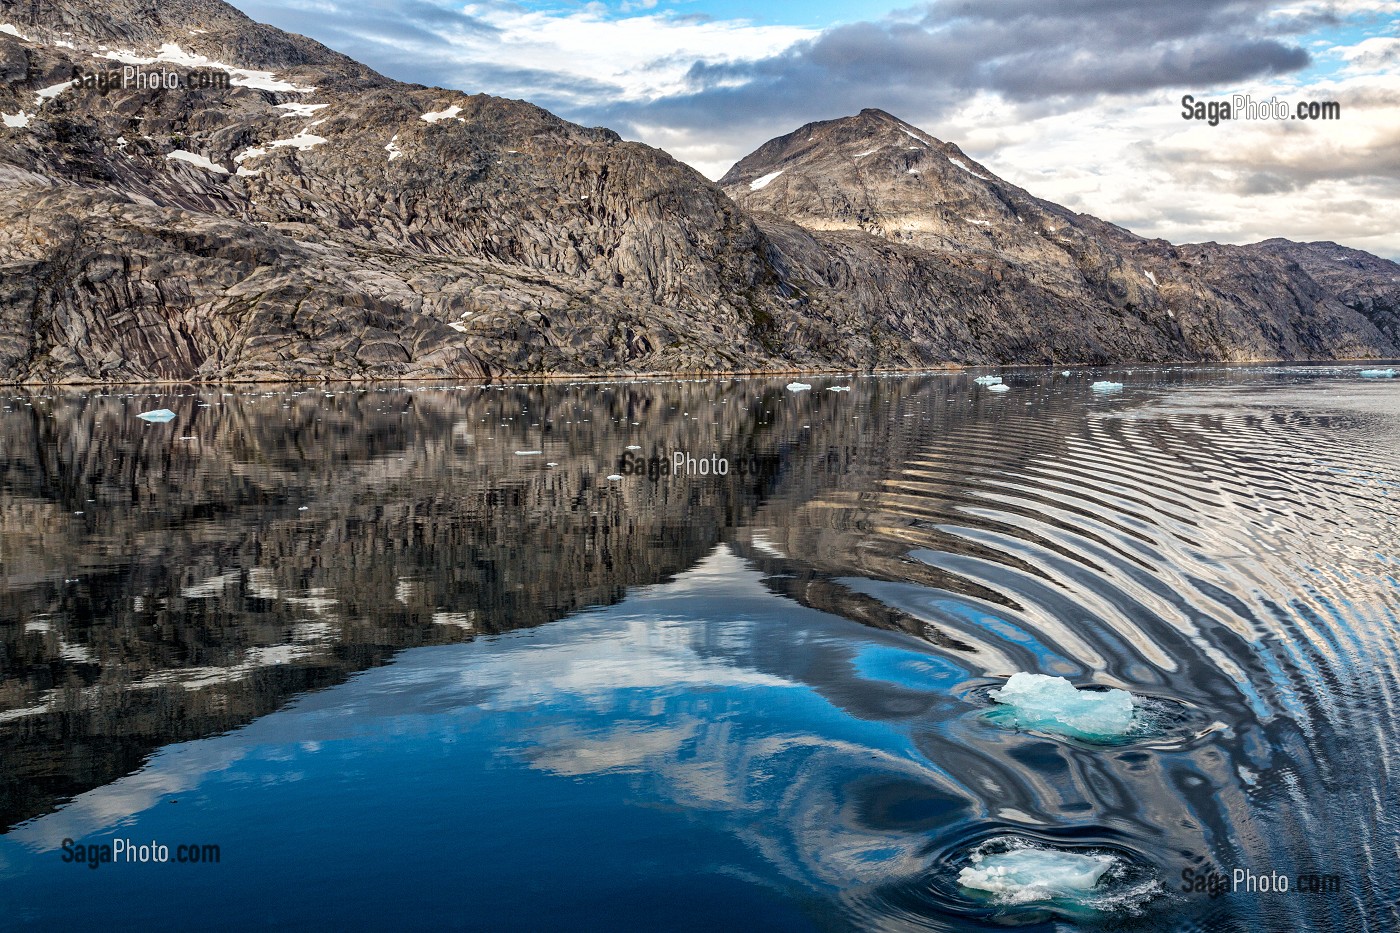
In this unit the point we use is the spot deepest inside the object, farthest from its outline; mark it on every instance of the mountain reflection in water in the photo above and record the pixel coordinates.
(697, 701)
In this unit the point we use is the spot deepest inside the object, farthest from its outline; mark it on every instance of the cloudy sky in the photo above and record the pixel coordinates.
(1078, 101)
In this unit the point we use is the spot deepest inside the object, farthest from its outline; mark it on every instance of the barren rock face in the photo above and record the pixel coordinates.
(286, 213)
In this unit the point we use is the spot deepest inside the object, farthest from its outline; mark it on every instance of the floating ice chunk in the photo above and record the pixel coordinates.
(1104, 385)
(798, 387)
(614, 477)
(634, 447)
(160, 414)
(528, 453)
(838, 389)
(763, 181)
(1030, 874)
(1039, 701)
(1377, 374)
(988, 380)
(998, 388)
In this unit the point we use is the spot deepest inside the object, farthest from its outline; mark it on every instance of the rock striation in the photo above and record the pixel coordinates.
(287, 213)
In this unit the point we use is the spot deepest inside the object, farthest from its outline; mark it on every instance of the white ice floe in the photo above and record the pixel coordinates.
(1039, 701)
(988, 380)
(159, 414)
(238, 77)
(838, 388)
(1378, 374)
(798, 386)
(967, 168)
(999, 388)
(1030, 874)
(195, 158)
(528, 453)
(614, 477)
(763, 181)
(1104, 385)
(436, 115)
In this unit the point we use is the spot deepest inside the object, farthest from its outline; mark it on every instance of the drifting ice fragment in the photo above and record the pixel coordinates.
(160, 414)
(1104, 385)
(1039, 701)
(998, 388)
(798, 387)
(528, 453)
(1377, 374)
(1030, 874)
(1064, 372)
(614, 477)
(988, 380)
(838, 389)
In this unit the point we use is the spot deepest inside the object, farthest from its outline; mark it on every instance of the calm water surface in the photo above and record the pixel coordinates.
(450, 657)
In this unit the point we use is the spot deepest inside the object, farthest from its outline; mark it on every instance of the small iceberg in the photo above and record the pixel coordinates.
(1053, 704)
(159, 415)
(1377, 374)
(1104, 385)
(798, 387)
(988, 380)
(1029, 874)
(999, 388)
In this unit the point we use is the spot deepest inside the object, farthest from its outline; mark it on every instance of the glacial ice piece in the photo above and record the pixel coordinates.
(838, 389)
(1377, 374)
(159, 415)
(1104, 385)
(798, 387)
(1028, 874)
(1053, 704)
(998, 388)
(988, 380)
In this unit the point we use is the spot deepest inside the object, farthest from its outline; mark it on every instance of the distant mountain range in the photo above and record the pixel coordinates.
(287, 213)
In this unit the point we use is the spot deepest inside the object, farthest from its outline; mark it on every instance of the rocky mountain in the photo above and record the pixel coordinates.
(286, 213)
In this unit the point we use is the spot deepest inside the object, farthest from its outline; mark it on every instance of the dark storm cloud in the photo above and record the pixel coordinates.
(931, 58)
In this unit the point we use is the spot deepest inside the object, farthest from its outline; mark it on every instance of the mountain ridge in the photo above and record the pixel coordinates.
(316, 220)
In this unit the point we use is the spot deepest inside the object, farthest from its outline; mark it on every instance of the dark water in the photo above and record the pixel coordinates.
(404, 677)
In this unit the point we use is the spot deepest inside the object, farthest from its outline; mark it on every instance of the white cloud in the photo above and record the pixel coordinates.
(643, 57)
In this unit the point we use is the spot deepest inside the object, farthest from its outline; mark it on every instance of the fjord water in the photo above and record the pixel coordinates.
(407, 673)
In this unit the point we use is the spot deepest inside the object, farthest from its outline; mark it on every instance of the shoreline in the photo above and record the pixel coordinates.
(550, 378)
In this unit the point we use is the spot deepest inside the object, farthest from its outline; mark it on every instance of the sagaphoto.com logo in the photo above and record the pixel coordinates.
(135, 78)
(1244, 107)
(128, 852)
